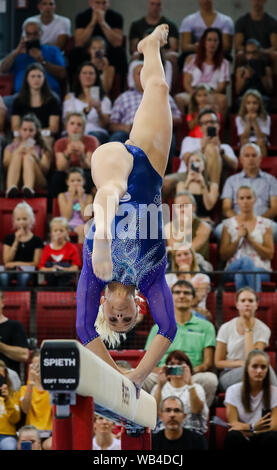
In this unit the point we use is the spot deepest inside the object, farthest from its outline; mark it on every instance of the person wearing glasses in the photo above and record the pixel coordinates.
(195, 337)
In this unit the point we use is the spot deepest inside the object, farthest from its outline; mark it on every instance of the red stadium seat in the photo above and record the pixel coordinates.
(211, 304)
(1, 253)
(39, 206)
(133, 356)
(55, 208)
(17, 306)
(213, 254)
(175, 164)
(269, 164)
(55, 315)
(220, 431)
(6, 84)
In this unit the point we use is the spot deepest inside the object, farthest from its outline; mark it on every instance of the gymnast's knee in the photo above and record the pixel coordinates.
(158, 83)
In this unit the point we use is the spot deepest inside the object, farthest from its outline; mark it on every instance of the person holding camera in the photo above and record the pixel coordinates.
(176, 378)
(9, 410)
(29, 438)
(251, 407)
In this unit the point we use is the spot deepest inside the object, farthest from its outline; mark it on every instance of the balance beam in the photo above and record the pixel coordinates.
(69, 367)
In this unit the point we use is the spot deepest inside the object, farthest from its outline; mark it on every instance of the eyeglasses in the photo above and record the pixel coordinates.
(206, 123)
(184, 292)
(175, 410)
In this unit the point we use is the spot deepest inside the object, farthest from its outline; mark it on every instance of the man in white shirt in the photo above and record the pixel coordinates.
(56, 29)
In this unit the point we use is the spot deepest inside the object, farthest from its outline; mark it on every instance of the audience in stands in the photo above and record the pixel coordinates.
(264, 185)
(209, 66)
(195, 337)
(103, 437)
(29, 433)
(253, 123)
(21, 249)
(73, 150)
(59, 256)
(252, 408)
(27, 158)
(13, 341)
(175, 378)
(247, 243)
(174, 436)
(88, 97)
(56, 29)
(9, 411)
(30, 50)
(73, 204)
(237, 337)
(201, 98)
(202, 286)
(97, 50)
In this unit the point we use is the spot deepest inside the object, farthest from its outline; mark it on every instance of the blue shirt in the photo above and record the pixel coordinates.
(50, 54)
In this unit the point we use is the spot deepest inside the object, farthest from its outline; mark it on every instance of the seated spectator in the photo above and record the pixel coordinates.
(253, 70)
(56, 29)
(10, 412)
(73, 203)
(88, 97)
(237, 337)
(73, 150)
(34, 400)
(174, 436)
(100, 20)
(252, 408)
(176, 378)
(30, 50)
(21, 249)
(97, 50)
(35, 97)
(194, 25)
(202, 286)
(207, 65)
(186, 227)
(13, 341)
(260, 181)
(29, 433)
(28, 158)
(252, 122)
(247, 243)
(103, 437)
(195, 337)
(59, 256)
(199, 99)
(3, 117)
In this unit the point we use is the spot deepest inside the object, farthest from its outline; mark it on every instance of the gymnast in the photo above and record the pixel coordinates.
(118, 265)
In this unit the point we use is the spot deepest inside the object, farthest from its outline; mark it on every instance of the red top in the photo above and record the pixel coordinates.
(68, 253)
(196, 131)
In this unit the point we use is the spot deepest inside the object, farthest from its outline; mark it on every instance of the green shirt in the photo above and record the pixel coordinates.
(191, 338)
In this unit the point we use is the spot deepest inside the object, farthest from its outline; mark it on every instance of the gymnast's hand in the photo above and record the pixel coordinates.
(132, 375)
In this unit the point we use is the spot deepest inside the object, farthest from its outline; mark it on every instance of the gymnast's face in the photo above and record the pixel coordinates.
(120, 311)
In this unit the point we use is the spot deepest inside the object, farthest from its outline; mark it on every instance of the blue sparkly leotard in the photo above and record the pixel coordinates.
(138, 253)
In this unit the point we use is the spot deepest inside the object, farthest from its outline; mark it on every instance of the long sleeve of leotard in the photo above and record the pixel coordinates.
(88, 300)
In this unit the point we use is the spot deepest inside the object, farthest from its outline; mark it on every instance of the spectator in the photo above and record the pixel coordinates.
(100, 20)
(252, 122)
(237, 337)
(13, 341)
(195, 337)
(59, 255)
(35, 97)
(175, 379)
(261, 182)
(21, 249)
(56, 29)
(34, 400)
(30, 50)
(97, 50)
(10, 412)
(73, 150)
(197, 233)
(103, 437)
(207, 65)
(29, 433)
(88, 97)
(252, 408)
(259, 25)
(73, 203)
(247, 243)
(28, 158)
(253, 70)
(202, 285)
(3, 117)
(193, 26)
(200, 99)
(175, 436)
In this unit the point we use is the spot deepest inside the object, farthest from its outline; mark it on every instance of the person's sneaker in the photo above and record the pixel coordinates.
(12, 192)
(28, 192)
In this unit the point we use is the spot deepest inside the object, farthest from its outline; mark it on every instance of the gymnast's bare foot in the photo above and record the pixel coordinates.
(102, 259)
(159, 34)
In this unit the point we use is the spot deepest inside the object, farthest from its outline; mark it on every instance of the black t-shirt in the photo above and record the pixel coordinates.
(13, 334)
(112, 18)
(190, 440)
(25, 251)
(139, 27)
(50, 108)
(259, 30)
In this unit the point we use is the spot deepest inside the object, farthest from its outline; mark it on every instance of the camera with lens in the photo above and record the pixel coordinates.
(174, 370)
(195, 167)
(35, 44)
(99, 54)
(211, 131)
